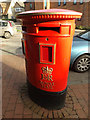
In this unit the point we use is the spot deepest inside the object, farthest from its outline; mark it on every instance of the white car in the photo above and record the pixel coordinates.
(7, 28)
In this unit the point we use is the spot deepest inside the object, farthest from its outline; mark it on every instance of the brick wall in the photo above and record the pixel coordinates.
(35, 5)
(84, 8)
(27, 6)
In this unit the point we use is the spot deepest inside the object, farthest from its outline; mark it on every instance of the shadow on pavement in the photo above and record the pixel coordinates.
(18, 52)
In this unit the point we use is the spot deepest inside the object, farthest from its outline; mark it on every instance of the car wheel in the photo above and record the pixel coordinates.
(82, 64)
(7, 35)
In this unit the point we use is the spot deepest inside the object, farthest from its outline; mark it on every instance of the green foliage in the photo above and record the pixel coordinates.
(19, 30)
(14, 20)
(82, 28)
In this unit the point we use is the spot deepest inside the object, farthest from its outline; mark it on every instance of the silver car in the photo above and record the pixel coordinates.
(7, 28)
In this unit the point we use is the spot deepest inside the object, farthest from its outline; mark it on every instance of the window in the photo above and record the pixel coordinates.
(1, 10)
(75, 2)
(64, 2)
(45, 4)
(4, 23)
(30, 5)
(18, 9)
(59, 2)
(81, 1)
(0, 24)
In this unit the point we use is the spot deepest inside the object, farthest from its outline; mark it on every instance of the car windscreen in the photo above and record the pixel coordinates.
(86, 36)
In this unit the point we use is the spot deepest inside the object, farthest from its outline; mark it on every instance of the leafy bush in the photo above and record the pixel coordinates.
(14, 20)
(82, 28)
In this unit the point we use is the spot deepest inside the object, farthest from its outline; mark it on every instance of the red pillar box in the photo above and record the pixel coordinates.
(47, 39)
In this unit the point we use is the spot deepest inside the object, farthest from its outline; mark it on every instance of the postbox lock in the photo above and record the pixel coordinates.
(47, 39)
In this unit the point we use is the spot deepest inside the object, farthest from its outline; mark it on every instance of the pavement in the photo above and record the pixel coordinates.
(16, 102)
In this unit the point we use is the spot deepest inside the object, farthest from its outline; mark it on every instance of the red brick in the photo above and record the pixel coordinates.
(35, 116)
(19, 109)
(6, 96)
(13, 99)
(34, 107)
(78, 94)
(14, 92)
(68, 102)
(28, 116)
(73, 116)
(71, 93)
(75, 100)
(50, 115)
(5, 102)
(3, 110)
(70, 111)
(86, 85)
(65, 113)
(77, 106)
(19, 100)
(81, 113)
(41, 111)
(69, 105)
(83, 103)
(85, 96)
(27, 111)
(9, 114)
(11, 107)
(45, 114)
(86, 110)
(60, 115)
(18, 116)
(37, 110)
(55, 113)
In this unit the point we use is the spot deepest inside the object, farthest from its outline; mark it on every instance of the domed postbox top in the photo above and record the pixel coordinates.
(50, 14)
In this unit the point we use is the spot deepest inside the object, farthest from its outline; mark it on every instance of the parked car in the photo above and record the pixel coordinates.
(80, 54)
(7, 28)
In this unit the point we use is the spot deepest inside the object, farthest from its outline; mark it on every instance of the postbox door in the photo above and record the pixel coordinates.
(47, 53)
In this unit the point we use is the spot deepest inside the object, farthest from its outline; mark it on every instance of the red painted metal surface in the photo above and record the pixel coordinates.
(48, 38)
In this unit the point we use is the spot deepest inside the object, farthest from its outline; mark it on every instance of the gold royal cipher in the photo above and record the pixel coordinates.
(46, 73)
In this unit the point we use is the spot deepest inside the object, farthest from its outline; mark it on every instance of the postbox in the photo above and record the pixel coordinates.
(47, 41)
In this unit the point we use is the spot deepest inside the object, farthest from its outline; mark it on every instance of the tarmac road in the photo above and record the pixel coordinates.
(13, 46)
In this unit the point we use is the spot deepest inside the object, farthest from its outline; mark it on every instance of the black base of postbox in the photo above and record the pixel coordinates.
(48, 100)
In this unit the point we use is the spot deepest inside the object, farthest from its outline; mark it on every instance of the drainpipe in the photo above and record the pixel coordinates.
(48, 4)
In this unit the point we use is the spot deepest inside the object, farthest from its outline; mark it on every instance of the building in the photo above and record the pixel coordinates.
(79, 6)
(8, 10)
(17, 8)
(3, 9)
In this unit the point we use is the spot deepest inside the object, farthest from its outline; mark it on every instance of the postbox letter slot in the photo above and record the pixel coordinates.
(57, 29)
